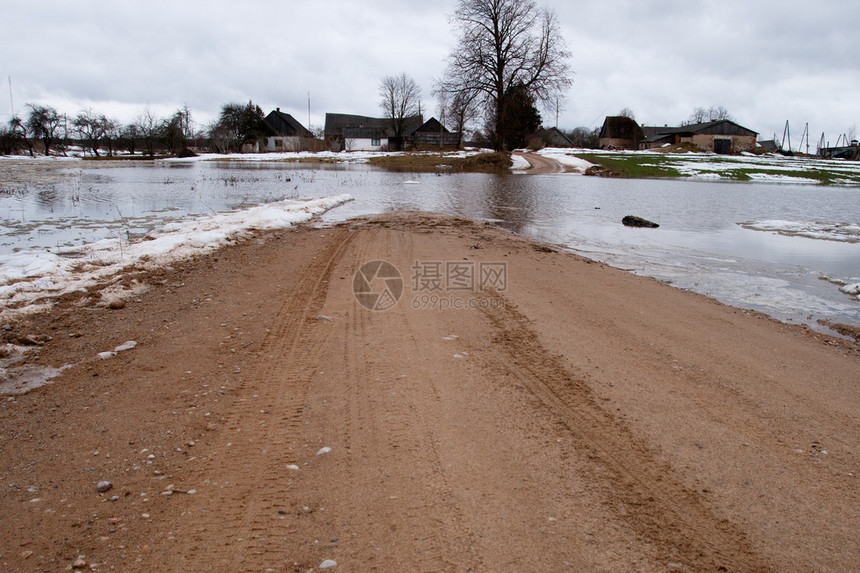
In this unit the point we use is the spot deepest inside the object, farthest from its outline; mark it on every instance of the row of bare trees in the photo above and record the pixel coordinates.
(49, 130)
(45, 130)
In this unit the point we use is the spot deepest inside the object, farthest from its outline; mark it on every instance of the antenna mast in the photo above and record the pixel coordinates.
(11, 102)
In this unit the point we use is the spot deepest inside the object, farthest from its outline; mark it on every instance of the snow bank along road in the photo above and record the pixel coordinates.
(561, 414)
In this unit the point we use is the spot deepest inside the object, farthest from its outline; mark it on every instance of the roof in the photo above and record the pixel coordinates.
(718, 127)
(620, 127)
(283, 124)
(365, 133)
(432, 125)
(336, 124)
(554, 136)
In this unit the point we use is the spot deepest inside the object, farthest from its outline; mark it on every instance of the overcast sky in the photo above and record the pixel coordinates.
(765, 61)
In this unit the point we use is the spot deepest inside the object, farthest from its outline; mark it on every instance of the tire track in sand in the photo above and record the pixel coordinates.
(241, 527)
(625, 472)
(396, 486)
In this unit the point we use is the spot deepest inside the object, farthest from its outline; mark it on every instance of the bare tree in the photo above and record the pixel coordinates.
(702, 115)
(13, 137)
(460, 110)
(503, 44)
(627, 112)
(400, 99)
(128, 137)
(585, 137)
(147, 130)
(91, 127)
(112, 134)
(43, 123)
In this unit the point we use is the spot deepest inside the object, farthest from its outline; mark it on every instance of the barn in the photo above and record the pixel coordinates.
(432, 134)
(721, 136)
(285, 133)
(620, 132)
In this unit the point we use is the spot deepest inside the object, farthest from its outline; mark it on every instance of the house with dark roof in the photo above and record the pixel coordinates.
(345, 132)
(620, 132)
(432, 133)
(553, 137)
(720, 136)
(285, 133)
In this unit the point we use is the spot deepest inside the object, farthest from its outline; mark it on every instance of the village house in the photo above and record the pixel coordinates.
(720, 136)
(345, 132)
(432, 134)
(553, 137)
(620, 132)
(286, 134)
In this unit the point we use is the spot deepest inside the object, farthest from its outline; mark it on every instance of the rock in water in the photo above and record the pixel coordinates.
(633, 221)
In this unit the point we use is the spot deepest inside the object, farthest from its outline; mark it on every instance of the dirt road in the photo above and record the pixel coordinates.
(541, 165)
(551, 414)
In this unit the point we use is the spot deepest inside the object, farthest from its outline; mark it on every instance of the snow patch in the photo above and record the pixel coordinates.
(519, 163)
(842, 232)
(22, 379)
(566, 158)
(27, 276)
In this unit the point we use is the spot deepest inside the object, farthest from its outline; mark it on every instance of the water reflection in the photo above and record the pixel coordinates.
(511, 202)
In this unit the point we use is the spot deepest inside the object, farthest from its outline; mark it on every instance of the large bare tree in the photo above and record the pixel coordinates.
(92, 127)
(43, 123)
(146, 124)
(504, 44)
(400, 99)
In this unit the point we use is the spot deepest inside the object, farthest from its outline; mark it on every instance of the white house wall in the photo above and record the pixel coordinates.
(283, 144)
(361, 144)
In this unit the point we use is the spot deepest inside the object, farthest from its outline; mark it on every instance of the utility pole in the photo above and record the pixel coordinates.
(806, 135)
(309, 111)
(11, 102)
(784, 132)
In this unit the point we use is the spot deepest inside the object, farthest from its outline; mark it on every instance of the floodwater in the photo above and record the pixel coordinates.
(707, 241)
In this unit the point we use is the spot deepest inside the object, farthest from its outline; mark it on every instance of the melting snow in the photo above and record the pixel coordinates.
(565, 157)
(27, 276)
(519, 163)
(843, 232)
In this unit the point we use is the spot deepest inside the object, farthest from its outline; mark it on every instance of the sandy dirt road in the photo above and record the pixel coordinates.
(571, 417)
(541, 165)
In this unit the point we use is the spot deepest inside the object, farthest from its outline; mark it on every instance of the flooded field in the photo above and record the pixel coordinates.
(784, 249)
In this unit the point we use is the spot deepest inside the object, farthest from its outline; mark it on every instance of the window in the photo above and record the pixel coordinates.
(375, 142)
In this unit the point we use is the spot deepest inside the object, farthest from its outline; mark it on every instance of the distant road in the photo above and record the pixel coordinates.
(541, 165)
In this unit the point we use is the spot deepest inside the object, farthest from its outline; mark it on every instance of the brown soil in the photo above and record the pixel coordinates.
(494, 162)
(576, 417)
